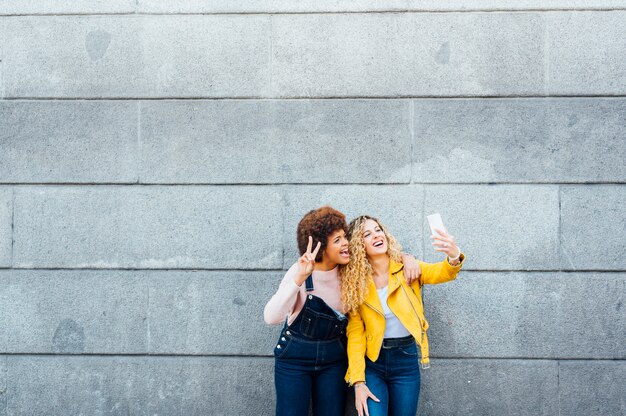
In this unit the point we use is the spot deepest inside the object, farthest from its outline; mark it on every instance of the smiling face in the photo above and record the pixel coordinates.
(374, 239)
(337, 248)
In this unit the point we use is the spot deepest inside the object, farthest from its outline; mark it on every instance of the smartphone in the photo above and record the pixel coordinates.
(435, 221)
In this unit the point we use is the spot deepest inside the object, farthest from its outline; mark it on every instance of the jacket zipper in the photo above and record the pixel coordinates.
(415, 312)
(379, 312)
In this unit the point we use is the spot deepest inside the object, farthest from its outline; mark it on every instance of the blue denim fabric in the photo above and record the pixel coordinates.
(394, 378)
(311, 362)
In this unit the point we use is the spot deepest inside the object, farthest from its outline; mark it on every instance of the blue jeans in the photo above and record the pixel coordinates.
(310, 371)
(395, 379)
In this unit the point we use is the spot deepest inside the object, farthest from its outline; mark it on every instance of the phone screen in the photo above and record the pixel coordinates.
(435, 221)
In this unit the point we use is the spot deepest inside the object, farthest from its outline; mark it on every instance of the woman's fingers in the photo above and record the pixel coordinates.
(371, 395)
(412, 268)
(365, 409)
(361, 394)
(360, 406)
(443, 244)
(446, 244)
(448, 238)
(310, 256)
(317, 249)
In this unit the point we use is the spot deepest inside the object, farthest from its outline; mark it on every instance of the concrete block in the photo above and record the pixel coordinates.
(72, 312)
(344, 141)
(398, 207)
(6, 226)
(502, 227)
(416, 54)
(61, 141)
(593, 227)
(594, 388)
(18, 7)
(123, 56)
(211, 312)
(148, 227)
(536, 315)
(489, 387)
(219, 141)
(284, 6)
(520, 140)
(275, 141)
(100, 385)
(585, 53)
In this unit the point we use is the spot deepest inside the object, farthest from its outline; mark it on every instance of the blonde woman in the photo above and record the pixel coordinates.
(386, 317)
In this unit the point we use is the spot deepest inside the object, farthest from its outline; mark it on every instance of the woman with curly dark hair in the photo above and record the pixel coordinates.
(310, 356)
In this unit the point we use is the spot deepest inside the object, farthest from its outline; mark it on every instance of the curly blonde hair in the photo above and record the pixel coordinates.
(355, 276)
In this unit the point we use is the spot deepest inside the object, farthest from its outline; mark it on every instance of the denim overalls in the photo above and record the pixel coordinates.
(311, 361)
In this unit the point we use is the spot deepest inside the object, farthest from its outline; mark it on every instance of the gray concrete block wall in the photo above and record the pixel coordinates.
(74, 142)
(155, 158)
(147, 227)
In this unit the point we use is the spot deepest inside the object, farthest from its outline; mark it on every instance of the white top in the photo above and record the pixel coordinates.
(393, 326)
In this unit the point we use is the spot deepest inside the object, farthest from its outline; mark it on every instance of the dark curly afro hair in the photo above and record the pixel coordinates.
(320, 224)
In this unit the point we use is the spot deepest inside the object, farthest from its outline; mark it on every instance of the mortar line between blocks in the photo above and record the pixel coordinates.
(139, 144)
(558, 386)
(412, 138)
(148, 333)
(422, 221)
(12, 227)
(559, 228)
(599, 9)
(546, 55)
(271, 52)
(258, 184)
(319, 97)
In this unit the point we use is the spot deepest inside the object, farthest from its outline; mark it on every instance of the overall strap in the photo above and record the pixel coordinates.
(309, 283)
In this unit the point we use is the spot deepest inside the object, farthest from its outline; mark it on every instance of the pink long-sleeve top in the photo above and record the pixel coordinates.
(289, 299)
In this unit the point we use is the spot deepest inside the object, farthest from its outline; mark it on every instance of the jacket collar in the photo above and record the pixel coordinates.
(393, 283)
(395, 267)
(394, 275)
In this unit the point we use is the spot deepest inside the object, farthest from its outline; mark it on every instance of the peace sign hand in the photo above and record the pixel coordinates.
(306, 263)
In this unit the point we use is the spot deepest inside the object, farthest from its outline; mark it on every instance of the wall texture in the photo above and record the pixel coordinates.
(155, 157)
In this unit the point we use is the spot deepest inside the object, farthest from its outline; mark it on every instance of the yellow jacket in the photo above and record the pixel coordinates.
(366, 326)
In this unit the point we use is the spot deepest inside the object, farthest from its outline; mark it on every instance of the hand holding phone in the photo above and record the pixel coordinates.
(443, 242)
(435, 222)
